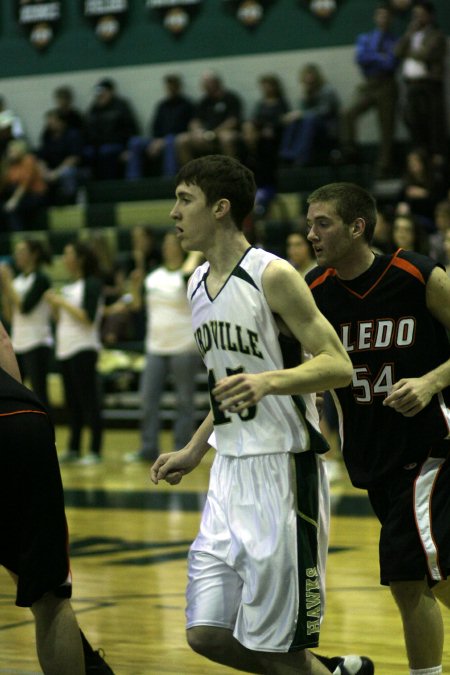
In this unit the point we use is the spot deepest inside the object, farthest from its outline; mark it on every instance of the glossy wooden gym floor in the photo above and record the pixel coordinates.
(129, 541)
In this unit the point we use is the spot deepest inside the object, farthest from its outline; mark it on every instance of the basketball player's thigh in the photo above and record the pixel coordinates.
(213, 593)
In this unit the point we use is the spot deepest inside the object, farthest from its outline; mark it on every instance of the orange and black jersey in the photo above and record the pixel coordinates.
(383, 321)
(15, 397)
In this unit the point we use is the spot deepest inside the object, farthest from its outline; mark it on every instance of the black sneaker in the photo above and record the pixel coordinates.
(96, 664)
(354, 665)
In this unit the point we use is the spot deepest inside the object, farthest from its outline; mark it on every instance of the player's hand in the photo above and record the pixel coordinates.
(238, 392)
(409, 396)
(172, 466)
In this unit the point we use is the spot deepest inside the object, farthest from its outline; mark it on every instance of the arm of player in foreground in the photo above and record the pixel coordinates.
(410, 395)
(172, 466)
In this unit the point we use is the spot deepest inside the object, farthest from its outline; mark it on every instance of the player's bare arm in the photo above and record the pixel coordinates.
(411, 395)
(289, 297)
(172, 466)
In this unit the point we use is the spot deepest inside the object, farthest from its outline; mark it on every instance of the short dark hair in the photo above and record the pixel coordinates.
(87, 257)
(351, 202)
(222, 177)
(427, 5)
(40, 250)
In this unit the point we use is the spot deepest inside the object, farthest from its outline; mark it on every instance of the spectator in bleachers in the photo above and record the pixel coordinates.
(60, 151)
(23, 189)
(436, 240)
(170, 349)
(109, 125)
(408, 233)
(447, 251)
(299, 251)
(117, 322)
(421, 187)
(382, 236)
(142, 257)
(376, 58)
(11, 127)
(63, 98)
(156, 154)
(77, 310)
(216, 123)
(28, 312)
(312, 127)
(422, 49)
(262, 135)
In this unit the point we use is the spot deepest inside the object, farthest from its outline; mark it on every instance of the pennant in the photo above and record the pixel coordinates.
(249, 12)
(39, 18)
(175, 15)
(107, 17)
(323, 9)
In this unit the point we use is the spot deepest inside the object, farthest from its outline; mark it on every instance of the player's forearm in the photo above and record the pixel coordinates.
(439, 378)
(324, 371)
(198, 446)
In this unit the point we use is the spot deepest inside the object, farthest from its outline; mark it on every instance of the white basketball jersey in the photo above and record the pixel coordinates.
(236, 331)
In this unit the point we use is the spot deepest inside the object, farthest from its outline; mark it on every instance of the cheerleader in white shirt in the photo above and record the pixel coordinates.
(78, 308)
(29, 313)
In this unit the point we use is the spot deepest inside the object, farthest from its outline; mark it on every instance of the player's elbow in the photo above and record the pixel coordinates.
(343, 370)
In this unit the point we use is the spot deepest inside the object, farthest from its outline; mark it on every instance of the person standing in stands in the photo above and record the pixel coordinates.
(262, 540)
(391, 313)
(78, 309)
(375, 56)
(170, 348)
(422, 50)
(29, 313)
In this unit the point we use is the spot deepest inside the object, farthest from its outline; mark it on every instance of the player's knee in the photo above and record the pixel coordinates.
(409, 594)
(205, 640)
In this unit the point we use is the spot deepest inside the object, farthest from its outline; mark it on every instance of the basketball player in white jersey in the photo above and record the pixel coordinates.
(257, 567)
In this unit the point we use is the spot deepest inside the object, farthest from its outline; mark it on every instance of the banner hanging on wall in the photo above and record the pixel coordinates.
(249, 12)
(323, 9)
(175, 15)
(39, 18)
(107, 16)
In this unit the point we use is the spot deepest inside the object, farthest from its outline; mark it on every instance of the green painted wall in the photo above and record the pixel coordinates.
(214, 33)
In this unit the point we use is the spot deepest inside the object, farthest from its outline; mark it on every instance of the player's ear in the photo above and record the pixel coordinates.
(359, 225)
(221, 208)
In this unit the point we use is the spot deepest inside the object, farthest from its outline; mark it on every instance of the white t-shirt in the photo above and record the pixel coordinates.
(73, 336)
(169, 325)
(31, 329)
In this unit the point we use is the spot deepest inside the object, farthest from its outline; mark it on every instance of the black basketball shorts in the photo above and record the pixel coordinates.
(33, 528)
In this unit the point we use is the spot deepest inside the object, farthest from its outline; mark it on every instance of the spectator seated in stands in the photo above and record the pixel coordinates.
(262, 135)
(437, 239)
(110, 123)
(63, 98)
(313, 126)
(216, 123)
(10, 127)
(156, 155)
(60, 152)
(408, 233)
(421, 187)
(23, 189)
